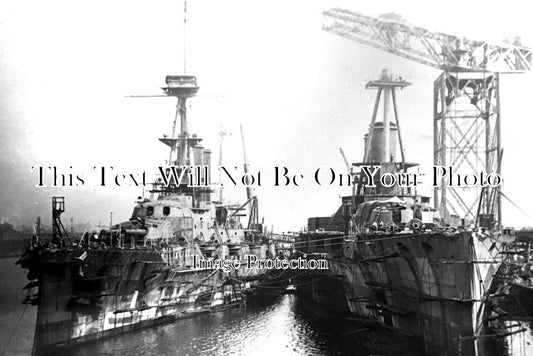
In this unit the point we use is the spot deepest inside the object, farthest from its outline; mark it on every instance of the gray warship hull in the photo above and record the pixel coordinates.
(87, 294)
(429, 287)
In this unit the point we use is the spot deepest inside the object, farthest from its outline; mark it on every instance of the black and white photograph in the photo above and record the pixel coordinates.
(322, 177)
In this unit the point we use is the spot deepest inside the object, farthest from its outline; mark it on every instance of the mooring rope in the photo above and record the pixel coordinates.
(14, 329)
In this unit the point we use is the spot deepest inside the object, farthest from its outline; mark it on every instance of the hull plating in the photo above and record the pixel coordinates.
(429, 286)
(114, 291)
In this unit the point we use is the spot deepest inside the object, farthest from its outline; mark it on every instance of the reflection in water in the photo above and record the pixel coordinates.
(273, 329)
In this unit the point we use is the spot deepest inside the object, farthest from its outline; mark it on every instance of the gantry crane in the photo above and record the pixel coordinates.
(466, 115)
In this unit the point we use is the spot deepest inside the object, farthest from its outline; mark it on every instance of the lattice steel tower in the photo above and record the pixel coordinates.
(467, 128)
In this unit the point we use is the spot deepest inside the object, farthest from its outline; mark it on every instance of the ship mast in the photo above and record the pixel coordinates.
(221, 134)
(380, 142)
(185, 37)
(182, 87)
(245, 159)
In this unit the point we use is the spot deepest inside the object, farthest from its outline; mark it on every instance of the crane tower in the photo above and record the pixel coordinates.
(466, 115)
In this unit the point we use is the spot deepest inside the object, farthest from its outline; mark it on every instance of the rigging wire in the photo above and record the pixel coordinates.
(14, 329)
(515, 205)
(395, 237)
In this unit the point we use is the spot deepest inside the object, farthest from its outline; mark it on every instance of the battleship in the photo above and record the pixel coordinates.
(398, 260)
(146, 270)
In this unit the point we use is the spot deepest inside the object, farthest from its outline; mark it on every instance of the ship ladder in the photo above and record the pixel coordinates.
(213, 290)
(237, 290)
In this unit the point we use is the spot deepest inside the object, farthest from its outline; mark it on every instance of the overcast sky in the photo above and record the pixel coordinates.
(67, 67)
